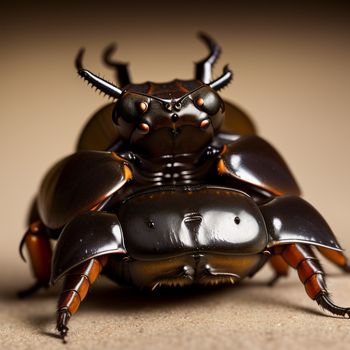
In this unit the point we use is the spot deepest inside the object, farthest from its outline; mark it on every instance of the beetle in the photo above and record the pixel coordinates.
(163, 192)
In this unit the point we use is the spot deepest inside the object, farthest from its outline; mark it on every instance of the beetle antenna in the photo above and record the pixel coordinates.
(99, 83)
(223, 80)
(204, 67)
(121, 69)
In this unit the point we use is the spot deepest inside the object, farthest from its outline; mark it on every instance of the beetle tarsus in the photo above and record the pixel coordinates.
(311, 274)
(75, 288)
(326, 303)
(62, 321)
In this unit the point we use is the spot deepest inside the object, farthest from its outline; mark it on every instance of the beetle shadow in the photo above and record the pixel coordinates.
(111, 298)
(114, 298)
(107, 297)
(11, 293)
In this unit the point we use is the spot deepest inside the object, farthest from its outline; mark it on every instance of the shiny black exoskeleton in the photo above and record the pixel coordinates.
(164, 191)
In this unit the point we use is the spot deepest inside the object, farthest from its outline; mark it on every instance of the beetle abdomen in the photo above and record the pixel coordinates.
(180, 220)
(206, 268)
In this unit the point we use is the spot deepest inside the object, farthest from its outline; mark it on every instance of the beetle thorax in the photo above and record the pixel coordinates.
(174, 170)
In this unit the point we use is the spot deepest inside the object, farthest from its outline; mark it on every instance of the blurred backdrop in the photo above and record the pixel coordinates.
(292, 73)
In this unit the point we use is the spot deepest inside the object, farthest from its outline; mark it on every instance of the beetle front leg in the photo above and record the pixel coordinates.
(75, 288)
(311, 274)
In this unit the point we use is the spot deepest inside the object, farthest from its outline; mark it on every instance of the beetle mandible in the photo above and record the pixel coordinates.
(162, 192)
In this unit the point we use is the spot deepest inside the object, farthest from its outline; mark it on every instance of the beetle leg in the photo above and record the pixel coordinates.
(40, 255)
(75, 288)
(311, 274)
(336, 257)
(280, 267)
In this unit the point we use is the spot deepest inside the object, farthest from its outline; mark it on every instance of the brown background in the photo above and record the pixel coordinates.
(292, 76)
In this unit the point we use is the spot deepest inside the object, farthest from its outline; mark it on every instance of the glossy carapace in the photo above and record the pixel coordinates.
(170, 186)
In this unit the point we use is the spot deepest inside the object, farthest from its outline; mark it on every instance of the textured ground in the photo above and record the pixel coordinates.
(249, 316)
(292, 76)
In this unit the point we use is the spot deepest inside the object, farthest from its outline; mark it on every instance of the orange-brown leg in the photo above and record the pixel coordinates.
(311, 274)
(336, 257)
(279, 266)
(76, 285)
(40, 255)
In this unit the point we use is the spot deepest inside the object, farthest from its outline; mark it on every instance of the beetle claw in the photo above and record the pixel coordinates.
(326, 303)
(63, 334)
(62, 321)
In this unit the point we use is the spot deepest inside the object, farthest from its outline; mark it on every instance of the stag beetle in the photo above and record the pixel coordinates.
(162, 192)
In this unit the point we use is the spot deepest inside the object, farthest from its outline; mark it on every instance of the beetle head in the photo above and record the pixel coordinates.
(182, 124)
(170, 118)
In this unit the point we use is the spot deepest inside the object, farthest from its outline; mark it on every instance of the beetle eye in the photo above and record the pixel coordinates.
(177, 106)
(207, 100)
(168, 107)
(143, 106)
(199, 102)
(130, 107)
(143, 127)
(204, 123)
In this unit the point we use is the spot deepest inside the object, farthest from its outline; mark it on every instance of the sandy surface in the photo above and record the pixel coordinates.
(249, 316)
(292, 76)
